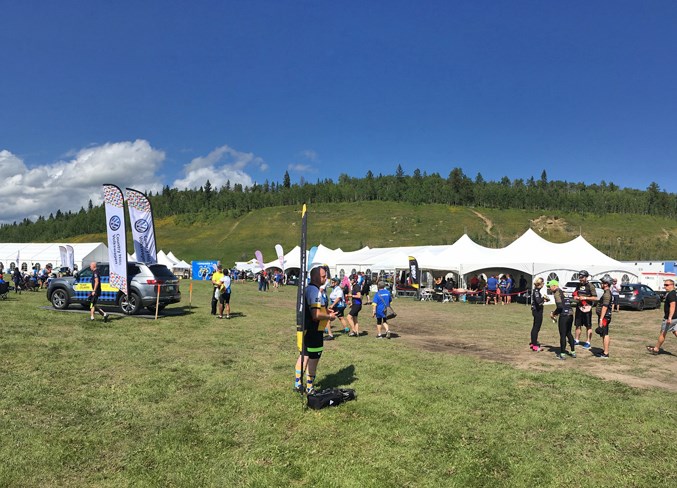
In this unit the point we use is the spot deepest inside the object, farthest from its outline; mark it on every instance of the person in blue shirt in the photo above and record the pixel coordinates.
(1, 280)
(492, 289)
(379, 306)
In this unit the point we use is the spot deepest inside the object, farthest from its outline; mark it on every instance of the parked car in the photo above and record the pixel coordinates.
(638, 296)
(572, 286)
(143, 281)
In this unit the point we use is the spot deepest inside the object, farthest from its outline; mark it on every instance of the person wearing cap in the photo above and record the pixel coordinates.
(337, 301)
(537, 301)
(216, 287)
(564, 319)
(311, 340)
(224, 294)
(603, 309)
(584, 294)
(669, 323)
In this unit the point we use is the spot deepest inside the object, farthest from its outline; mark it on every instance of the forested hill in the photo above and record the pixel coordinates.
(392, 210)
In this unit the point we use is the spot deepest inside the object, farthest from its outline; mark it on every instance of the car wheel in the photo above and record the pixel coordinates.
(640, 305)
(130, 304)
(60, 299)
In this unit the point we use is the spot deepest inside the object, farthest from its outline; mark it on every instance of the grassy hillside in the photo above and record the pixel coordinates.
(386, 224)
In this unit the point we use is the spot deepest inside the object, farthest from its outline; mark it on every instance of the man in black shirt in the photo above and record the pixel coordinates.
(96, 292)
(669, 323)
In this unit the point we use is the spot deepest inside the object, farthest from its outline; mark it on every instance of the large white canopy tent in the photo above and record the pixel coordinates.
(530, 255)
(31, 254)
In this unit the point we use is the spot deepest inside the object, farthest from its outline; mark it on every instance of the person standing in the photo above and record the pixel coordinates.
(216, 286)
(615, 294)
(224, 294)
(492, 289)
(564, 319)
(603, 309)
(584, 295)
(537, 300)
(18, 280)
(669, 323)
(337, 302)
(317, 318)
(380, 310)
(96, 293)
(355, 306)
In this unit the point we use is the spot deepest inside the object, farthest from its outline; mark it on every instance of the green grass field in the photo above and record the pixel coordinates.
(391, 224)
(454, 400)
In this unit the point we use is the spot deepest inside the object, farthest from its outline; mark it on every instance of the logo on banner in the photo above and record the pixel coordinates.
(114, 223)
(141, 225)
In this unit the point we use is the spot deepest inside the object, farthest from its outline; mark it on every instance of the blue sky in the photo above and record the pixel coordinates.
(151, 93)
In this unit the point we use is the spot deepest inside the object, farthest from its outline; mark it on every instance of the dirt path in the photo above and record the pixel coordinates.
(480, 331)
(488, 224)
(233, 227)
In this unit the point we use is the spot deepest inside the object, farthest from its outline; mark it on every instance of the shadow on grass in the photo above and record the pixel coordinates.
(342, 377)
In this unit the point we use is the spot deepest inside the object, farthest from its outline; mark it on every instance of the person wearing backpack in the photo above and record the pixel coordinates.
(380, 309)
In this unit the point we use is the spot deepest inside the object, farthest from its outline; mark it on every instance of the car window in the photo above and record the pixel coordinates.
(626, 289)
(133, 270)
(161, 271)
(85, 273)
(104, 270)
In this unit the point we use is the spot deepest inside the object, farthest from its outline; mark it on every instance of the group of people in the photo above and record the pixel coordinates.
(35, 280)
(575, 311)
(322, 309)
(500, 288)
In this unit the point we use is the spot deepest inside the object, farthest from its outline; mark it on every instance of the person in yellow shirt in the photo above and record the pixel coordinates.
(216, 285)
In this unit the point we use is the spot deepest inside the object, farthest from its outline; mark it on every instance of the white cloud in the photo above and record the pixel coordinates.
(70, 184)
(222, 164)
(302, 168)
(309, 154)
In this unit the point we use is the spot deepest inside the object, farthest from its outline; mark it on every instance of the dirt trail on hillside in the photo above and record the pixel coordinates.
(233, 227)
(488, 224)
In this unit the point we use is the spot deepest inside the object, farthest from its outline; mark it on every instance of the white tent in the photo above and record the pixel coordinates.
(31, 254)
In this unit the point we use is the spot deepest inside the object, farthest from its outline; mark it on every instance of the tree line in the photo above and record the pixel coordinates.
(420, 188)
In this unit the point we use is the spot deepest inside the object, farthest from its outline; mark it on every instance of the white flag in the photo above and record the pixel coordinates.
(117, 244)
(71, 258)
(143, 229)
(63, 255)
(280, 255)
(17, 259)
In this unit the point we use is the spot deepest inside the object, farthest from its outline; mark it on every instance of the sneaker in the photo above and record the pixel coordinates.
(586, 345)
(220, 316)
(227, 317)
(576, 343)
(310, 391)
(347, 329)
(329, 338)
(387, 334)
(572, 354)
(91, 318)
(601, 355)
(352, 334)
(380, 336)
(561, 357)
(535, 348)
(105, 317)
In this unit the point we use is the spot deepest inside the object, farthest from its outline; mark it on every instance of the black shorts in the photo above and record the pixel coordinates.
(93, 299)
(224, 298)
(313, 344)
(355, 309)
(380, 320)
(338, 311)
(583, 319)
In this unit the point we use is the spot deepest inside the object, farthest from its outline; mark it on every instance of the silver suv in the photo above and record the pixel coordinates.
(143, 282)
(572, 286)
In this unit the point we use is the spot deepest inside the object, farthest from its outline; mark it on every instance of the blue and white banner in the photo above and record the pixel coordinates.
(203, 270)
(143, 228)
(70, 252)
(117, 244)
